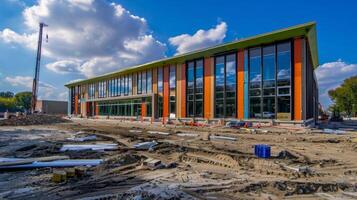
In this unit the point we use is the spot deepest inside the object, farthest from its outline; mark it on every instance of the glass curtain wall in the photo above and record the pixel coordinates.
(269, 81)
(172, 85)
(284, 81)
(225, 86)
(194, 99)
(130, 85)
(149, 82)
(143, 82)
(139, 83)
(160, 91)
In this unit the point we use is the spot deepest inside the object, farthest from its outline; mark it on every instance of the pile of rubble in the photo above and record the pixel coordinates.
(37, 119)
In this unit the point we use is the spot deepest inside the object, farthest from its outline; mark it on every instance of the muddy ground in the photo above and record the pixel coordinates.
(305, 164)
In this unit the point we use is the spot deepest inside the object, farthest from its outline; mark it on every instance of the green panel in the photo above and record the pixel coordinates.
(304, 30)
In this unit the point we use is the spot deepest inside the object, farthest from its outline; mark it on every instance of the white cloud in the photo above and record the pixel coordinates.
(24, 81)
(331, 75)
(46, 91)
(64, 67)
(201, 39)
(87, 32)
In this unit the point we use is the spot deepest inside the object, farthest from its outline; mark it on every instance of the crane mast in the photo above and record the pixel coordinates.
(37, 69)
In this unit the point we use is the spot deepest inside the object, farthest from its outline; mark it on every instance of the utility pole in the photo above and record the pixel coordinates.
(37, 69)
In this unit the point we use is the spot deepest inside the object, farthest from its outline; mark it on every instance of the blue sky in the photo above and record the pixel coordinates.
(88, 38)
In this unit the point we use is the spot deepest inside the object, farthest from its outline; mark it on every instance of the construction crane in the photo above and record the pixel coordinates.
(37, 68)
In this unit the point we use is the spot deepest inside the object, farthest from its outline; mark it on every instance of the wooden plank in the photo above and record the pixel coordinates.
(31, 160)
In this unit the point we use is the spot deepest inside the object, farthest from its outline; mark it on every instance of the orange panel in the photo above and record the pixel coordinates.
(208, 76)
(154, 80)
(297, 78)
(96, 108)
(240, 85)
(183, 90)
(143, 109)
(166, 92)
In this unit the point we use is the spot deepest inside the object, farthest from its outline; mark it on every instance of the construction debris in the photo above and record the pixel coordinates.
(94, 147)
(36, 119)
(22, 161)
(212, 162)
(135, 131)
(82, 139)
(56, 163)
(145, 145)
(218, 137)
(331, 131)
(158, 132)
(187, 134)
(152, 163)
(262, 150)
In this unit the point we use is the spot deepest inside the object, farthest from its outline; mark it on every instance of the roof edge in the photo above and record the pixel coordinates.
(307, 29)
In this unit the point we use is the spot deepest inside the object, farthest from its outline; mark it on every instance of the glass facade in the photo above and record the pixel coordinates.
(194, 98)
(269, 81)
(172, 85)
(225, 86)
(149, 82)
(284, 80)
(160, 80)
(143, 82)
(267, 86)
(139, 83)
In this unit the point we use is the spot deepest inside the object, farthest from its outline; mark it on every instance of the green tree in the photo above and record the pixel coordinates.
(23, 100)
(345, 97)
(7, 104)
(7, 94)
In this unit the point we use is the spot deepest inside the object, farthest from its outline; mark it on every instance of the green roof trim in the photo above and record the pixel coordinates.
(307, 30)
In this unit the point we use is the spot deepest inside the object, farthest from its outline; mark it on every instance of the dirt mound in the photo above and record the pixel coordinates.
(37, 119)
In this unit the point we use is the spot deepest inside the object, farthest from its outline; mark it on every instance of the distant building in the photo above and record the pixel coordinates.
(51, 107)
(268, 76)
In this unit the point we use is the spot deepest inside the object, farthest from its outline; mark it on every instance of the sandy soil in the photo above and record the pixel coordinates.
(305, 164)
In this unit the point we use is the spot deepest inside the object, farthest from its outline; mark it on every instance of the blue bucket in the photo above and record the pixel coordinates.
(262, 150)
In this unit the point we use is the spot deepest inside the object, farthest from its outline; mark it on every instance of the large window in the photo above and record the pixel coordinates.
(269, 81)
(160, 80)
(195, 88)
(122, 85)
(225, 85)
(143, 85)
(130, 85)
(139, 83)
(172, 84)
(126, 80)
(149, 82)
(284, 80)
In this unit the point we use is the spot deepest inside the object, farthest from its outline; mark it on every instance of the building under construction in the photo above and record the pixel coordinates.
(262, 78)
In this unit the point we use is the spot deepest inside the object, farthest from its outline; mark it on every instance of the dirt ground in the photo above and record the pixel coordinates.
(305, 163)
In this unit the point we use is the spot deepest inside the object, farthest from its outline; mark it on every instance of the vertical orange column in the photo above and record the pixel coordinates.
(154, 80)
(240, 85)
(166, 92)
(208, 76)
(143, 109)
(183, 90)
(297, 79)
(96, 109)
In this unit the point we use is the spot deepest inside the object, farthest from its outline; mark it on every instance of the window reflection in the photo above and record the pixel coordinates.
(225, 86)
(269, 81)
(195, 88)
